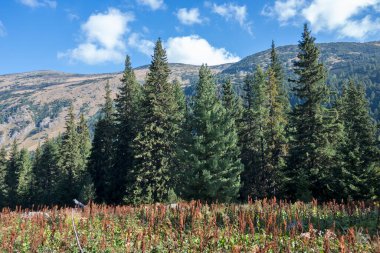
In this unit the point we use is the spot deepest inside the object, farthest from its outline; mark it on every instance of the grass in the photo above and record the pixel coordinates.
(258, 226)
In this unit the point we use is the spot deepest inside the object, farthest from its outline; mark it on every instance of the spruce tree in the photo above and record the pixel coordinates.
(260, 179)
(277, 139)
(86, 185)
(47, 174)
(12, 175)
(309, 170)
(25, 187)
(360, 151)
(158, 135)
(102, 153)
(70, 161)
(127, 103)
(212, 158)
(3, 173)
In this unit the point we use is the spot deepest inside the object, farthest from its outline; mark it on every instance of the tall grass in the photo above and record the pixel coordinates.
(258, 226)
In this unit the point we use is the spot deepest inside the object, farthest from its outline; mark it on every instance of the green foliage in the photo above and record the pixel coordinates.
(12, 175)
(211, 163)
(156, 140)
(359, 150)
(47, 173)
(127, 120)
(101, 161)
(25, 187)
(3, 173)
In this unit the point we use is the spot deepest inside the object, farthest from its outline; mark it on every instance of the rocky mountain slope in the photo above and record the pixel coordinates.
(33, 105)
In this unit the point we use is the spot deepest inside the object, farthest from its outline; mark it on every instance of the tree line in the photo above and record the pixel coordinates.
(154, 144)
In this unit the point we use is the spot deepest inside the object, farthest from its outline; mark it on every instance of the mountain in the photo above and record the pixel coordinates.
(33, 105)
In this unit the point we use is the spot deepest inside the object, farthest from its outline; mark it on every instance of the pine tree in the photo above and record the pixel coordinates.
(232, 103)
(277, 139)
(260, 177)
(87, 190)
(311, 153)
(102, 152)
(47, 174)
(3, 173)
(121, 178)
(70, 161)
(212, 158)
(25, 187)
(156, 141)
(360, 151)
(11, 178)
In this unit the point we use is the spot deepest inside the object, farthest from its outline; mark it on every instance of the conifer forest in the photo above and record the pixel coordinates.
(231, 167)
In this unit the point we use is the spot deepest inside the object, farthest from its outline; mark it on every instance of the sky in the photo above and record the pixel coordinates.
(83, 36)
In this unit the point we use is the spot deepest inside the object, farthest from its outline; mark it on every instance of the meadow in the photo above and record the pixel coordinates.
(257, 226)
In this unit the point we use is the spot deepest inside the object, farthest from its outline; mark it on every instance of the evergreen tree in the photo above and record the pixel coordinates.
(232, 103)
(12, 175)
(47, 174)
(257, 176)
(25, 187)
(102, 152)
(213, 166)
(156, 141)
(277, 139)
(70, 161)
(86, 185)
(127, 124)
(360, 151)
(3, 173)
(311, 152)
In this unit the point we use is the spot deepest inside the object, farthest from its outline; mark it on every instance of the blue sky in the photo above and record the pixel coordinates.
(83, 36)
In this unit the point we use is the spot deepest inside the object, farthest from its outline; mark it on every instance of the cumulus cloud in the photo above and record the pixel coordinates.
(3, 32)
(142, 45)
(283, 10)
(235, 12)
(189, 16)
(153, 4)
(196, 50)
(103, 38)
(39, 3)
(340, 16)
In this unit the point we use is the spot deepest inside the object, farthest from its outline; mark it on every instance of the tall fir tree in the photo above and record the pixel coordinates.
(101, 161)
(87, 191)
(212, 165)
(3, 173)
(277, 136)
(12, 175)
(70, 161)
(25, 187)
(361, 175)
(47, 174)
(257, 177)
(311, 152)
(158, 135)
(127, 124)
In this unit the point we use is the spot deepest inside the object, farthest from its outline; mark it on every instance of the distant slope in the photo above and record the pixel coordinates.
(33, 105)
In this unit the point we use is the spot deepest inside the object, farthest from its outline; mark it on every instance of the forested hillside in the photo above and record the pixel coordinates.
(153, 144)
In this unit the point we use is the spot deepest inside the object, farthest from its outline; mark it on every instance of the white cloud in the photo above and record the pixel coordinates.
(3, 32)
(235, 12)
(142, 45)
(361, 28)
(341, 16)
(283, 10)
(103, 38)
(39, 3)
(153, 4)
(196, 50)
(189, 16)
